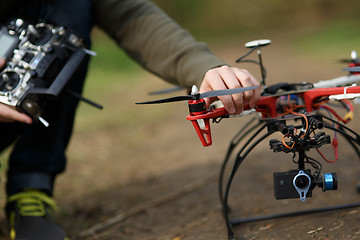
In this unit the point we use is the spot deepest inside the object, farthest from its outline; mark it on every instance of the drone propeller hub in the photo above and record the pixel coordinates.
(194, 90)
(195, 93)
(354, 55)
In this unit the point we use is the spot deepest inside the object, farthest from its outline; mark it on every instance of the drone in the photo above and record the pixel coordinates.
(300, 112)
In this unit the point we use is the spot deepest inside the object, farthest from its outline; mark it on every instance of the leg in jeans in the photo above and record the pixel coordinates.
(39, 153)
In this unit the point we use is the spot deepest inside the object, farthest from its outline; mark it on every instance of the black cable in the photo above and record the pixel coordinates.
(247, 54)
(345, 127)
(255, 62)
(339, 104)
(314, 163)
(349, 138)
(262, 69)
(342, 132)
(353, 145)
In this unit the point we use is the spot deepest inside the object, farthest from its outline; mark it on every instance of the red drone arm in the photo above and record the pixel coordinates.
(199, 117)
(313, 94)
(267, 104)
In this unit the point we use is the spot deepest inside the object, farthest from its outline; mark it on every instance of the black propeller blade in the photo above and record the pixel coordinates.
(348, 60)
(215, 93)
(171, 99)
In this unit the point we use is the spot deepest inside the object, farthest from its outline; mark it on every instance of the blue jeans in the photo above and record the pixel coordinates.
(39, 152)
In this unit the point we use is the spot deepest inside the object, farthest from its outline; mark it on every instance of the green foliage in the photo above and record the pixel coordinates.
(109, 55)
(335, 39)
(111, 66)
(234, 17)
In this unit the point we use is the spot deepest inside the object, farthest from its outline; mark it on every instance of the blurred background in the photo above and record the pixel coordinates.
(117, 152)
(234, 18)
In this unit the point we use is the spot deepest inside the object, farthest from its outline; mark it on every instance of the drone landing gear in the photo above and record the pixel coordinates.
(302, 180)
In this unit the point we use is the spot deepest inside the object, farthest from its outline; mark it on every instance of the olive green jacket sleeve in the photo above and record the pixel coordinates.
(155, 41)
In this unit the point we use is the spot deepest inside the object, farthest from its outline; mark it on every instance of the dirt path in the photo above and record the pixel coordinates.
(152, 170)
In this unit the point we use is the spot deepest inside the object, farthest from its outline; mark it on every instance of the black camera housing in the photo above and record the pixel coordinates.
(300, 183)
(284, 184)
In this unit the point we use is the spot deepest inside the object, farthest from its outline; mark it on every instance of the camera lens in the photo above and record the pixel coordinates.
(302, 182)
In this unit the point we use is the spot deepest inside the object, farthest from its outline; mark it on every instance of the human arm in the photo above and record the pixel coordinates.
(155, 41)
(160, 45)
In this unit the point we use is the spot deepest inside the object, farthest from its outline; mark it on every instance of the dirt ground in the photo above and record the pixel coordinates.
(151, 179)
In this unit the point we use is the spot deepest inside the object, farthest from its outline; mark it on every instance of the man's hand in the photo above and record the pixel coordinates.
(225, 77)
(8, 114)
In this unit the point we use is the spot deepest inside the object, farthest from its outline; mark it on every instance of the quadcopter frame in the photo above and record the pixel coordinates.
(253, 133)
